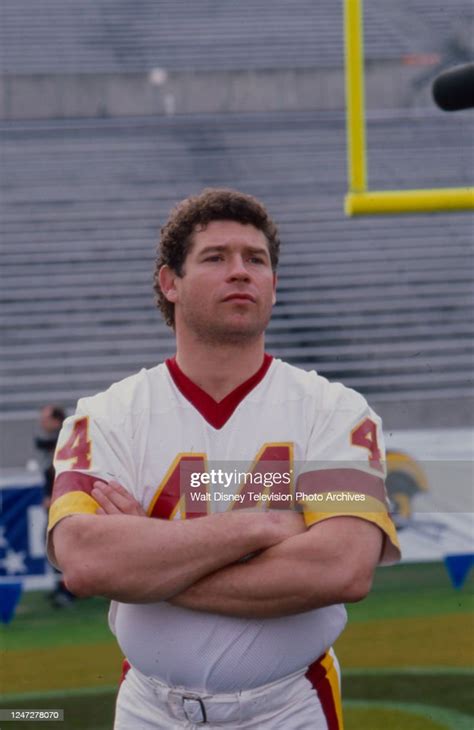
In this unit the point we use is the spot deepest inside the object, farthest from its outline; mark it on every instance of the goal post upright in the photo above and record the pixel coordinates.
(355, 95)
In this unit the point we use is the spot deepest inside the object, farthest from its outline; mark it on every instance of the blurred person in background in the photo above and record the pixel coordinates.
(51, 418)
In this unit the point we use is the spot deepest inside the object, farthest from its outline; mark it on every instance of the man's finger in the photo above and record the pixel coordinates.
(116, 500)
(118, 488)
(125, 500)
(115, 492)
(100, 496)
(120, 497)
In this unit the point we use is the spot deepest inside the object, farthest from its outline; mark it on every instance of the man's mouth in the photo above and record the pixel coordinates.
(239, 297)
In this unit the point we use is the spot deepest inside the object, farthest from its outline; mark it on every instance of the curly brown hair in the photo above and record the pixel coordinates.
(212, 204)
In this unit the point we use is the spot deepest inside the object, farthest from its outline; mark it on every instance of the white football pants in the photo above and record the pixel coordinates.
(306, 700)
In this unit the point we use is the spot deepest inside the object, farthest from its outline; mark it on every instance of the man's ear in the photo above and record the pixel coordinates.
(275, 281)
(167, 278)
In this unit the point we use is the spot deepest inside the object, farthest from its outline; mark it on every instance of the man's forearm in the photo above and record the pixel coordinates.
(307, 571)
(137, 560)
(245, 590)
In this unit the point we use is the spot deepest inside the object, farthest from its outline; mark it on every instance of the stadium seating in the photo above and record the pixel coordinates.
(382, 303)
(127, 36)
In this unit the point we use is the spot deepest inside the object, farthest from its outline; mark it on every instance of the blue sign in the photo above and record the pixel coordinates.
(22, 542)
(22, 532)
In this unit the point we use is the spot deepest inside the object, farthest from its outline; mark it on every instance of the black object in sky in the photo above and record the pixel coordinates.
(453, 90)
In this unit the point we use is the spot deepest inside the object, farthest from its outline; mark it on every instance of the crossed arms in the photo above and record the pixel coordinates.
(120, 554)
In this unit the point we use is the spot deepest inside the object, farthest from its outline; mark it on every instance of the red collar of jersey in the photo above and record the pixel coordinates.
(216, 413)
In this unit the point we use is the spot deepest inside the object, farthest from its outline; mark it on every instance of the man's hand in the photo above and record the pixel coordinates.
(332, 562)
(115, 500)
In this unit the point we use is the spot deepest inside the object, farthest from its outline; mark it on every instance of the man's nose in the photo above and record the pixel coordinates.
(237, 269)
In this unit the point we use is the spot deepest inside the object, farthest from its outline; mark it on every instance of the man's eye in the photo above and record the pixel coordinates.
(256, 260)
(216, 257)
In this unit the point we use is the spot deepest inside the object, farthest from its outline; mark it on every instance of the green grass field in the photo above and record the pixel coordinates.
(407, 657)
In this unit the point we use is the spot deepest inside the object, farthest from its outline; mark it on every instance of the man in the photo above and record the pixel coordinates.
(226, 620)
(51, 419)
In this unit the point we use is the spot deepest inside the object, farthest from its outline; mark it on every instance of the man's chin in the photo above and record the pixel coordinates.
(237, 336)
(231, 333)
(241, 328)
(232, 328)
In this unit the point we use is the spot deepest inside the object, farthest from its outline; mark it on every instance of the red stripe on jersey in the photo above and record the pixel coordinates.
(73, 481)
(316, 674)
(342, 480)
(217, 413)
(177, 485)
(126, 666)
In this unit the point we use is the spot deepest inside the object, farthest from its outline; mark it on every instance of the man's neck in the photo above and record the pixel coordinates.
(219, 369)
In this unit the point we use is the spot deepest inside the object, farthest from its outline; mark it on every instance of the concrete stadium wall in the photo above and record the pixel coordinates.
(389, 85)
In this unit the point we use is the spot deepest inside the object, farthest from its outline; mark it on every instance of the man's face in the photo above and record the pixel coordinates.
(47, 420)
(227, 288)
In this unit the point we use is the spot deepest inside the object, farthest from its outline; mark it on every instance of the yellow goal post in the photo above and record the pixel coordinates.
(359, 200)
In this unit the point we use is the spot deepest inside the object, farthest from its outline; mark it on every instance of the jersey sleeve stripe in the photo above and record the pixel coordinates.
(342, 480)
(73, 481)
(70, 504)
(391, 547)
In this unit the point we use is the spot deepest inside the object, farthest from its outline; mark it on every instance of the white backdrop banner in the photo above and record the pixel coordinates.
(437, 518)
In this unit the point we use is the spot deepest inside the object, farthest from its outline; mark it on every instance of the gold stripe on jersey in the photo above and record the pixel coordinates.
(333, 678)
(371, 510)
(333, 503)
(70, 504)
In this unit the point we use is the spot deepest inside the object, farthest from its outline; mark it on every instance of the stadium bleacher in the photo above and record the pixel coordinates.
(111, 36)
(381, 303)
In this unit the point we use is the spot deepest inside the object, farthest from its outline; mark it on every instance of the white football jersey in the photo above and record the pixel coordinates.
(284, 438)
